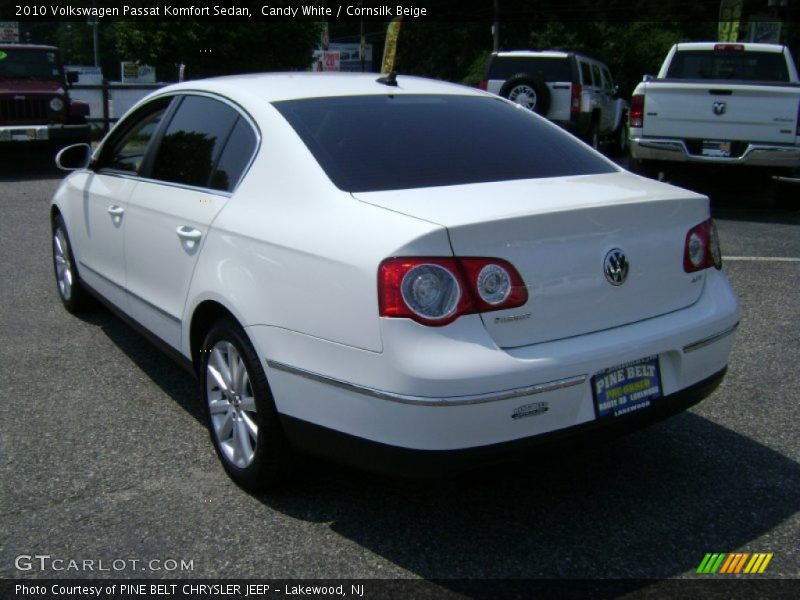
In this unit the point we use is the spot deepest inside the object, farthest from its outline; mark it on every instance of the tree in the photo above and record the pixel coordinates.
(208, 49)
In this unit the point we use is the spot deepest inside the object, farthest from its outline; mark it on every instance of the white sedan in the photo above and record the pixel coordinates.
(402, 274)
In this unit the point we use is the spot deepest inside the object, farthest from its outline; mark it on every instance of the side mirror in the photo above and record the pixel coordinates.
(74, 157)
(72, 77)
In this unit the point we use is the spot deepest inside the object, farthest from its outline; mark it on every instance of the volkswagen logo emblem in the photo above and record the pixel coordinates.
(719, 108)
(615, 267)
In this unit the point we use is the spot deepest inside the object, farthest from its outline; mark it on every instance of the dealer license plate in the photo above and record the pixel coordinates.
(716, 149)
(627, 388)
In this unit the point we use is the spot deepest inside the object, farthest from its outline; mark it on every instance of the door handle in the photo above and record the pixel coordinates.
(190, 234)
(115, 211)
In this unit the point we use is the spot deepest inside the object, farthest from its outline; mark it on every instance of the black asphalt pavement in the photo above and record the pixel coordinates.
(103, 455)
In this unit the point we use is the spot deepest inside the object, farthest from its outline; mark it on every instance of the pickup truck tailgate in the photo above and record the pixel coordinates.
(755, 113)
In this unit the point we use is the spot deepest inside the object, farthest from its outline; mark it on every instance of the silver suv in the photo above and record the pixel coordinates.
(570, 89)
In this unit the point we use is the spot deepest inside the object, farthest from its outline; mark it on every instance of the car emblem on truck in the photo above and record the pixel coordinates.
(616, 267)
(719, 108)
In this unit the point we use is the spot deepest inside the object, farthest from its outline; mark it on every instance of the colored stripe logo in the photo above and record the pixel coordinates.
(734, 563)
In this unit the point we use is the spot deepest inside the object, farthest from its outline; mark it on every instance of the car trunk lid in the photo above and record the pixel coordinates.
(557, 233)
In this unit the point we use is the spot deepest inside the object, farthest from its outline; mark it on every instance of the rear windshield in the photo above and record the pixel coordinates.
(745, 66)
(541, 68)
(373, 143)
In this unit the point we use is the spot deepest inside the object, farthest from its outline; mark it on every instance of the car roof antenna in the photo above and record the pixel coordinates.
(390, 79)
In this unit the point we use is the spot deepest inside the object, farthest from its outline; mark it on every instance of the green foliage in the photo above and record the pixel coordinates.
(208, 49)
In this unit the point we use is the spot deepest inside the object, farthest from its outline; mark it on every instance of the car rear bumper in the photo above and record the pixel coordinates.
(453, 389)
(399, 461)
(676, 150)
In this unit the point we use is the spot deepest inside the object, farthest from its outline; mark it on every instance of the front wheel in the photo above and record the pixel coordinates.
(72, 293)
(241, 415)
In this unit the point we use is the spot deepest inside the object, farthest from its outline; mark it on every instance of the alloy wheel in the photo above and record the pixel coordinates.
(64, 272)
(231, 404)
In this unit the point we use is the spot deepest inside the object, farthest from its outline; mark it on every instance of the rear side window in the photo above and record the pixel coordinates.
(235, 157)
(598, 80)
(586, 73)
(735, 65)
(541, 68)
(193, 141)
(373, 143)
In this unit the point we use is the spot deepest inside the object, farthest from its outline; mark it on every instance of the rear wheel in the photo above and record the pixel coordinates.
(72, 293)
(619, 145)
(241, 415)
(593, 136)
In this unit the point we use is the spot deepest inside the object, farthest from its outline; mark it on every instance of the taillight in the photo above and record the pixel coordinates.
(436, 291)
(636, 111)
(575, 98)
(729, 47)
(798, 119)
(483, 85)
(701, 250)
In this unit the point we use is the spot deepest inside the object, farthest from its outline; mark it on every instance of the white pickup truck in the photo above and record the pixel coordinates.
(718, 103)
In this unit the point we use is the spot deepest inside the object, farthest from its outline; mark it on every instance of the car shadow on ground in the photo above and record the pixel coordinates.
(645, 506)
(177, 383)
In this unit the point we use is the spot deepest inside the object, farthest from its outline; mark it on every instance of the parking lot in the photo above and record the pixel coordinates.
(104, 456)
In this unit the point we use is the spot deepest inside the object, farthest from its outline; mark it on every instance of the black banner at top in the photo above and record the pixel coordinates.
(357, 10)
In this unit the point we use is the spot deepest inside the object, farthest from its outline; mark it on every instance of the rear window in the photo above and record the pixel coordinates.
(541, 68)
(373, 143)
(745, 66)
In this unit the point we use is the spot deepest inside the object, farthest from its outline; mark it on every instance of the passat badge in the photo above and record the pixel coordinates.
(530, 410)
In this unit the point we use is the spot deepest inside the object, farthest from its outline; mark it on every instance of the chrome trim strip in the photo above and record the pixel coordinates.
(709, 340)
(538, 388)
(130, 293)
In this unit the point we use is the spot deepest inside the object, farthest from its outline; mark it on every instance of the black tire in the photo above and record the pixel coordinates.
(527, 92)
(271, 454)
(593, 135)
(619, 143)
(73, 295)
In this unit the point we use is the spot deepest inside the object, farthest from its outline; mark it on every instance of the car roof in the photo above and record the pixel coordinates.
(533, 53)
(27, 47)
(274, 87)
(745, 45)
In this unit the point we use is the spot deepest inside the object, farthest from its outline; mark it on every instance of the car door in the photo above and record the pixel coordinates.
(198, 159)
(97, 222)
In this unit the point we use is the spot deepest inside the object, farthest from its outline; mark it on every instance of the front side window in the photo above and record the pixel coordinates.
(586, 73)
(598, 79)
(402, 141)
(193, 141)
(126, 150)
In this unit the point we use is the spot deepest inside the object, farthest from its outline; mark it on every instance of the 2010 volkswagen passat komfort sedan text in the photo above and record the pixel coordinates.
(394, 274)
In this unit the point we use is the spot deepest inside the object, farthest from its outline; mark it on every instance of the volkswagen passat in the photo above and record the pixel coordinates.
(399, 273)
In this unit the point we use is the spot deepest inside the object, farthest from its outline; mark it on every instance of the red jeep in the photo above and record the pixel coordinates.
(36, 112)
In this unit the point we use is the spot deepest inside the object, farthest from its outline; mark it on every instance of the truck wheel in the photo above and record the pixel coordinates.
(619, 145)
(593, 136)
(527, 92)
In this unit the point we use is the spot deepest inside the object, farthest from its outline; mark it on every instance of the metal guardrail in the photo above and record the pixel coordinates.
(106, 90)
